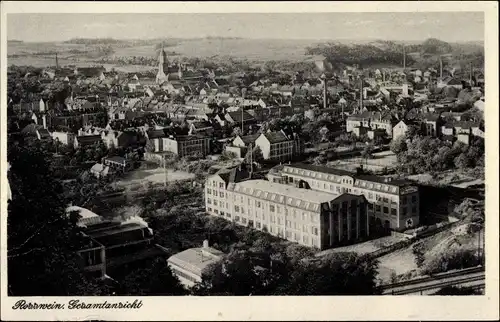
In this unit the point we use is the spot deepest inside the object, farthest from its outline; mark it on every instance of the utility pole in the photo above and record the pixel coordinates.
(361, 95)
(242, 123)
(470, 76)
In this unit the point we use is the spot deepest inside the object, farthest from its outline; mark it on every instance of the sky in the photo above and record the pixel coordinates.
(414, 26)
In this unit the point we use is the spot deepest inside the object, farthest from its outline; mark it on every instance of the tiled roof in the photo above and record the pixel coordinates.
(289, 195)
(276, 137)
(247, 139)
(237, 116)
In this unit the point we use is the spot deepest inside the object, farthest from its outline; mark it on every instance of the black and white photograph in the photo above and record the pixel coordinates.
(245, 154)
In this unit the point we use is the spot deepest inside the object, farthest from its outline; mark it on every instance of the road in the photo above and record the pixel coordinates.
(471, 277)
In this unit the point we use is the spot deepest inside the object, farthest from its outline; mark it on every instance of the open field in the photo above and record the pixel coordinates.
(153, 176)
(251, 49)
(381, 160)
(453, 178)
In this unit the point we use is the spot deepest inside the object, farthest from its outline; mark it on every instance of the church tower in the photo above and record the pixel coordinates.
(162, 66)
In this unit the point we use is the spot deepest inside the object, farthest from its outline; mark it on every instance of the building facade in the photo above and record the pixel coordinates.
(393, 204)
(310, 218)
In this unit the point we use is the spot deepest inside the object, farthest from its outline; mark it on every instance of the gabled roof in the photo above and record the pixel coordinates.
(247, 139)
(88, 139)
(156, 134)
(276, 137)
(238, 117)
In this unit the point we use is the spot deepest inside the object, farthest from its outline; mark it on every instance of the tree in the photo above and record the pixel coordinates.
(255, 155)
(367, 152)
(333, 274)
(41, 239)
(413, 131)
(155, 279)
(233, 275)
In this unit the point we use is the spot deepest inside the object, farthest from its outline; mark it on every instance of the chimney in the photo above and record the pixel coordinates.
(404, 57)
(440, 67)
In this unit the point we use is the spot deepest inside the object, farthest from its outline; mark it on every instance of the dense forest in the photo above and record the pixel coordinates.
(423, 55)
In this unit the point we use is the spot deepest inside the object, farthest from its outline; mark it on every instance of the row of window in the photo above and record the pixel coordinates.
(314, 231)
(393, 211)
(216, 184)
(183, 275)
(215, 193)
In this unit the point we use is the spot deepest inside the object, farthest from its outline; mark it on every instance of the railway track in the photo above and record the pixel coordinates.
(473, 274)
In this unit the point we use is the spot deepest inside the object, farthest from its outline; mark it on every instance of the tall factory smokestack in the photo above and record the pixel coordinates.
(470, 76)
(404, 57)
(57, 62)
(361, 94)
(324, 91)
(440, 67)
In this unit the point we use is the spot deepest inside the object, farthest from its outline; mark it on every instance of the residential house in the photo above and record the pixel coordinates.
(431, 124)
(201, 127)
(373, 120)
(86, 140)
(66, 138)
(276, 146)
(99, 170)
(181, 145)
(117, 163)
(119, 139)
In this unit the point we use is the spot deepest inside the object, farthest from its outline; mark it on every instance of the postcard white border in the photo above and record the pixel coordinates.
(283, 308)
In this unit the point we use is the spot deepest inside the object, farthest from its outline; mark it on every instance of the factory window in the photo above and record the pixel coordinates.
(209, 209)
(221, 194)
(215, 202)
(237, 208)
(243, 220)
(394, 212)
(377, 208)
(384, 199)
(209, 191)
(405, 211)
(215, 193)
(403, 201)
(413, 199)
(315, 231)
(414, 209)
(386, 210)
(271, 208)
(209, 201)
(257, 225)
(236, 218)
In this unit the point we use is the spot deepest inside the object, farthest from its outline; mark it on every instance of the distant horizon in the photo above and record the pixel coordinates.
(330, 26)
(246, 38)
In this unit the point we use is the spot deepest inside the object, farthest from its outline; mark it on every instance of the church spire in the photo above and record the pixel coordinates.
(162, 64)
